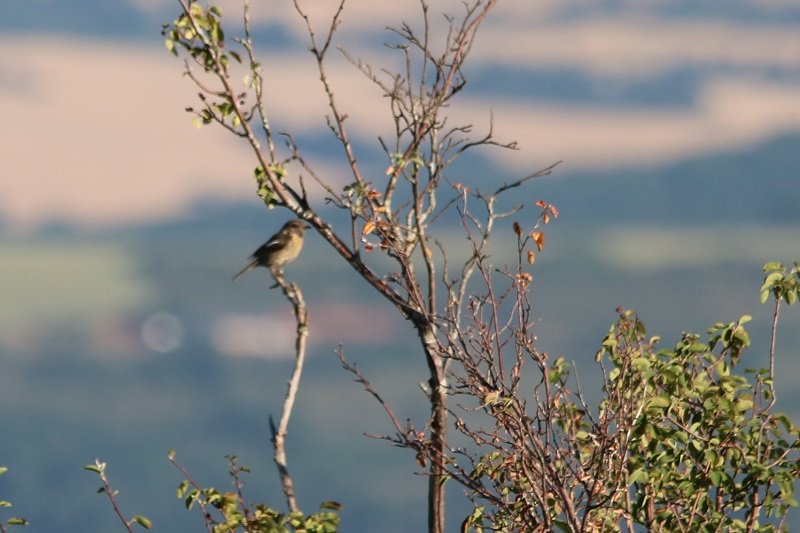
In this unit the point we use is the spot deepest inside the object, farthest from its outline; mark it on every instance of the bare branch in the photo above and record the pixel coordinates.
(772, 336)
(295, 296)
(538, 174)
(112, 495)
(339, 117)
(361, 380)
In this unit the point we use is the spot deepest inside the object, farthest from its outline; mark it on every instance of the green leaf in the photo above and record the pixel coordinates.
(562, 525)
(660, 401)
(697, 347)
(742, 335)
(334, 506)
(744, 404)
(772, 277)
(217, 35)
(278, 169)
(143, 521)
(17, 522)
(791, 297)
(93, 468)
(784, 420)
(191, 498)
(491, 398)
(638, 475)
(3, 470)
(181, 492)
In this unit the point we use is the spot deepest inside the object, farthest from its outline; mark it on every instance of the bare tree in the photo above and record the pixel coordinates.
(400, 211)
(542, 458)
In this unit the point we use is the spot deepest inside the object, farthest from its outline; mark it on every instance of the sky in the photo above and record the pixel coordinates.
(94, 131)
(93, 135)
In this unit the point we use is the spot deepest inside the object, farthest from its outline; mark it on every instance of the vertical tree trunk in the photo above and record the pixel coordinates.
(438, 402)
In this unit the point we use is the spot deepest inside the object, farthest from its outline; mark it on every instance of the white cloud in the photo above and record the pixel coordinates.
(522, 32)
(640, 46)
(730, 113)
(95, 132)
(98, 134)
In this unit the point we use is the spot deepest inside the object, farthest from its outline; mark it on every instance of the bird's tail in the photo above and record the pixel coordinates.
(250, 266)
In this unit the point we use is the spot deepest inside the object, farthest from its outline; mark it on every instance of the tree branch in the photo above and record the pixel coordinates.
(295, 297)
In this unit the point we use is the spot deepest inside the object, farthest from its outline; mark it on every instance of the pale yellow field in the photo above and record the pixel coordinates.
(42, 282)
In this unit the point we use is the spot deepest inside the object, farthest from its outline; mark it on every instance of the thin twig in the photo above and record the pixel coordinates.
(538, 174)
(360, 379)
(773, 333)
(200, 501)
(112, 496)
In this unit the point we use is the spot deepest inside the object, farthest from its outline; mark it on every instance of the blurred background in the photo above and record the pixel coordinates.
(121, 336)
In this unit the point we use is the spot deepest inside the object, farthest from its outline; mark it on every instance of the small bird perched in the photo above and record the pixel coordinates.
(280, 249)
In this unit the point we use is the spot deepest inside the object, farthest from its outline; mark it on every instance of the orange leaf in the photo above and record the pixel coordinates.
(548, 211)
(531, 257)
(538, 237)
(368, 227)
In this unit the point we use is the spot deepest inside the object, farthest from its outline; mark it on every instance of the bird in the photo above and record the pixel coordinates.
(279, 250)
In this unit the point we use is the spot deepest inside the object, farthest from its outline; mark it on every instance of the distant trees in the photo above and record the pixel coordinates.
(681, 439)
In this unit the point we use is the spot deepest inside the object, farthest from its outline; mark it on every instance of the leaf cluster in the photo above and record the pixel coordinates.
(229, 511)
(707, 451)
(683, 438)
(781, 284)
